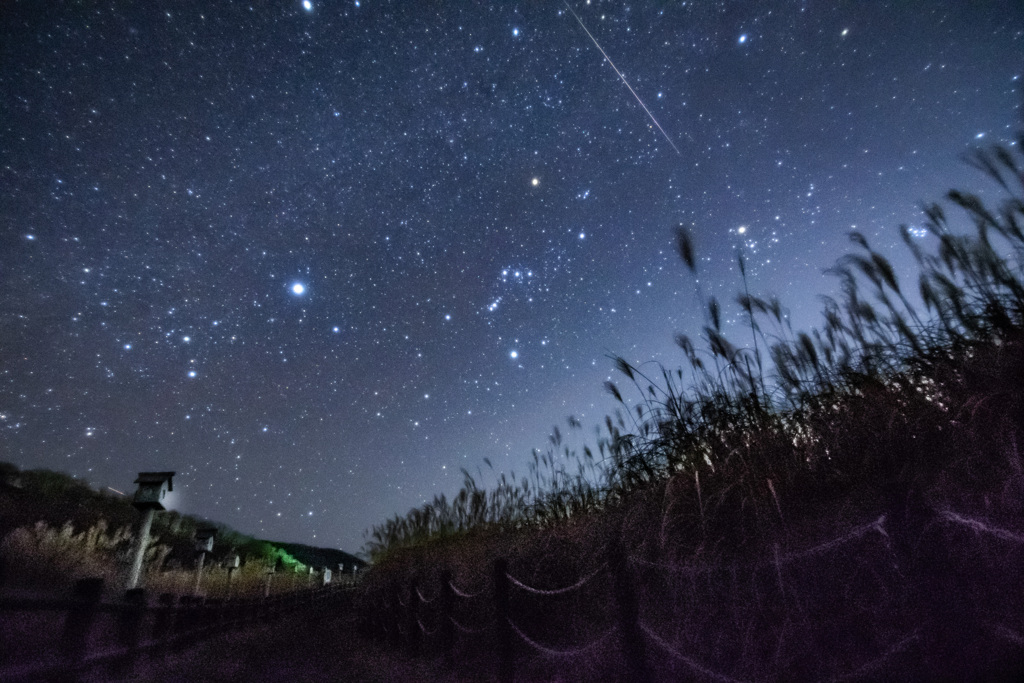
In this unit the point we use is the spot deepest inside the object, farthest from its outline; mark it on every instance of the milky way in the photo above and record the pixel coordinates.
(317, 257)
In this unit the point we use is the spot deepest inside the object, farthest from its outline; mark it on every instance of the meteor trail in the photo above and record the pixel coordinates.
(596, 44)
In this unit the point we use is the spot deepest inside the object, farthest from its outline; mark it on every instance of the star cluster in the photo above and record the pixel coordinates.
(316, 257)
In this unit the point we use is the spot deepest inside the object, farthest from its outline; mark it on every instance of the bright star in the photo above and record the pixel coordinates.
(191, 373)
(307, 5)
(298, 289)
(513, 355)
(743, 38)
(535, 182)
(515, 32)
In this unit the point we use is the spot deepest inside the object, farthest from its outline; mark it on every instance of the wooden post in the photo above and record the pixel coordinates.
(129, 629)
(183, 623)
(140, 547)
(628, 613)
(199, 573)
(163, 629)
(447, 614)
(79, 621)
(503, 628)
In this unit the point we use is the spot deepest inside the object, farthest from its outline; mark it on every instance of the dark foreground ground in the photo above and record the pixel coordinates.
(326, 648)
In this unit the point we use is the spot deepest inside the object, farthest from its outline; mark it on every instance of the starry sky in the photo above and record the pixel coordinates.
(318, 256)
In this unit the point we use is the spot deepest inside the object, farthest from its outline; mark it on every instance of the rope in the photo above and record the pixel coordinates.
(684, 569)
(466, 629)
(1007, 633)
(878, 661)
(686, 660)
(979, 526)
(560, 653)
(461, 594)
(423, 598)
(557, 591)
(877, 525)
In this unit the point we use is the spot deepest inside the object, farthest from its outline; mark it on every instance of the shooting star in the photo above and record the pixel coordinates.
(625, 82)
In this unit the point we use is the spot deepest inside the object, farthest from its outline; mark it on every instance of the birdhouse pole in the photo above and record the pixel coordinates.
(234, 561)
(153, 486)
(204, 544)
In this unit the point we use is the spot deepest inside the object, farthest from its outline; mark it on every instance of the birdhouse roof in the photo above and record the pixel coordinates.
(156, 478)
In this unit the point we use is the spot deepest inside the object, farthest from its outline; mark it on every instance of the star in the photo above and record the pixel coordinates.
(298, 289)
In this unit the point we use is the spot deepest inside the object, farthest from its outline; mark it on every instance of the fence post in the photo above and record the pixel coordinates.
(413, 614)
(163, 629)
(129, 629)
(506, 666)
(632, 638)
(447, 614)
(184, 621)
(215, 616)
(79, 621)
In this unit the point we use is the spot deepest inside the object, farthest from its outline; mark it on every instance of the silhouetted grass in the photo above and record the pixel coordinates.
(799, 506)
(755, 417)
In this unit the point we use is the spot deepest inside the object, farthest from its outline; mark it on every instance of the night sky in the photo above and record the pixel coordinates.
(317, 257)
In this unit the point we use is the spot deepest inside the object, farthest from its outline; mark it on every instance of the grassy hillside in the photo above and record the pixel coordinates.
(55, 529)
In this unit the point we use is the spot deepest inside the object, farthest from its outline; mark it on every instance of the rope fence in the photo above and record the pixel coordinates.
(558, 591)
(462, 594)
(466, 629)
(552, 652)
(772, 594)
(698, 668)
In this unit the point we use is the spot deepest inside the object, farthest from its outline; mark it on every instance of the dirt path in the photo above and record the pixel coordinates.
(298, 648)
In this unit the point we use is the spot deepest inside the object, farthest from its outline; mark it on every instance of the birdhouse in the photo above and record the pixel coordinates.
(153, 487)
(233, 561)
(327, 576)
(204, 539)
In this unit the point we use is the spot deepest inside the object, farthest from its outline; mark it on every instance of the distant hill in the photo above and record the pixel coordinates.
(335, 560)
